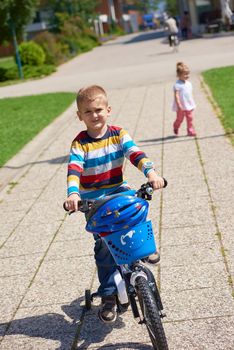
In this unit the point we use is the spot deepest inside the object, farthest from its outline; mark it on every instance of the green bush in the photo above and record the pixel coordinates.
(31, 54)
(74, 34)
(85, 44)
(36, 72)
(54, 52)
(12, 73)
(28, 71)
(3, 71)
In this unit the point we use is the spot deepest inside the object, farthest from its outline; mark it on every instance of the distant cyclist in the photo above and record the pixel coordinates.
(172, 30)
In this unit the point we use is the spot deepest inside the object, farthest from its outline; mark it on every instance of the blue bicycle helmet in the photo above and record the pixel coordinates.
(117, 213)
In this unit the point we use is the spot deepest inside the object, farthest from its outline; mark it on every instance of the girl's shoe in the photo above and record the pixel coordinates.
(192, 133)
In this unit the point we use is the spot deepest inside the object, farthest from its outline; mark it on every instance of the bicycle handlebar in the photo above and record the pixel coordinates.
(145, 192)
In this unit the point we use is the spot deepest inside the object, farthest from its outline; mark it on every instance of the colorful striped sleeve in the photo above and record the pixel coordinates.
(75, 168)
(133, 153)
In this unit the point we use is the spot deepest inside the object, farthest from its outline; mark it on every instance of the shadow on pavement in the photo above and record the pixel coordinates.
(174, 139)
(58, 160)
(146, 36)
(76, 325)
(48, 326)
(121, 346)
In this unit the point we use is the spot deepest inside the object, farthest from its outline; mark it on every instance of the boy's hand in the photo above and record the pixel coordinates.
(71, 203)
(156, 181)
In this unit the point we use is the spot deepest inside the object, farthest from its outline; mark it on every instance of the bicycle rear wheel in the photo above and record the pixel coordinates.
(150, 314)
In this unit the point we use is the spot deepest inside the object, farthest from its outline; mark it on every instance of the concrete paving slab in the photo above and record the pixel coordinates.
(193, 276)
(205, 334)
(25, 343)
(60, 280)
(25, 247)
(19, 265)
(121, 331)
(193, 254)
(188, 235)
(198, 303)
(70, 249)
(48, 326)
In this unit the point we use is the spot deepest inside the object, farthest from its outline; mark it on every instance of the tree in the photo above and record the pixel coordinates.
(15, 14)
(83, 8)
(144, 6)
(172, 7)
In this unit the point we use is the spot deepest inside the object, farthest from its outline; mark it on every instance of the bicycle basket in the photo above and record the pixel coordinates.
(131, 245)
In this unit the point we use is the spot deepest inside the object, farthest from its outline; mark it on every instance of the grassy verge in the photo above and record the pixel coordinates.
(221, 84)
(22, 118)
(7, 62)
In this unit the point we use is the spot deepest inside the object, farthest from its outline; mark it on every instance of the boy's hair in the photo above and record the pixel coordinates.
(181, 67)
(89, 93)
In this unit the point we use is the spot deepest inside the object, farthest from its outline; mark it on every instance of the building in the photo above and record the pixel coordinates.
(206, 15)
(109, 12)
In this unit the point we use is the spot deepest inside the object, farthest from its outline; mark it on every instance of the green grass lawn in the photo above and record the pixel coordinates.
(221, 83)
(7, 62)
(22, 118)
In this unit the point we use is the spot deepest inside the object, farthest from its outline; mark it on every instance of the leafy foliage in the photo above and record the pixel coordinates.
(11, 73)
(85, 9)
(31, 54)
(15, 13)
(55, 51)
(172, 7)
(74, 34)
(144, 6)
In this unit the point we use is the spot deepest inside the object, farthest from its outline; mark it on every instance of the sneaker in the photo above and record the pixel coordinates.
(176, 131)
(153, 258)
(108, 312)
(192, 133)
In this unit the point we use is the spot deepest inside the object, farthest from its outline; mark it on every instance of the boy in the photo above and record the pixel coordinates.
(95, 169)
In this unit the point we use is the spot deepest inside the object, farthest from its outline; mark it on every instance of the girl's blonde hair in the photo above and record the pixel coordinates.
(181, 68)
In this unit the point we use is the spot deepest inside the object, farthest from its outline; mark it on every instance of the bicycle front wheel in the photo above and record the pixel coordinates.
(150, 313)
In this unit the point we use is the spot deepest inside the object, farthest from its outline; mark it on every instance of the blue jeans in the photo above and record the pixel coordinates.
(106, 265)
(106, 268)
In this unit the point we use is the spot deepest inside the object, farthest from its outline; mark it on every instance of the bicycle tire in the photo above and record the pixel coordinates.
(153, 287)
(150, 314)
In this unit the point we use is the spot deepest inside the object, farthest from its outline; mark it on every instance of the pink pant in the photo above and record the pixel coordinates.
(180, 117)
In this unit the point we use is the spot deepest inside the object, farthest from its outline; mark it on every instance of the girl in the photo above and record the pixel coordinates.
(183, 99)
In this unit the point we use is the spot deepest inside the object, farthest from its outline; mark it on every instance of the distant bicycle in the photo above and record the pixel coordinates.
(174, 42)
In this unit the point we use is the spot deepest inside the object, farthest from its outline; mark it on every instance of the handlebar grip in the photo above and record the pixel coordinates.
(165, 182)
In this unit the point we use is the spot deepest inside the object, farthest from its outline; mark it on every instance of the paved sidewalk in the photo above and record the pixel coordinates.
(46, 256)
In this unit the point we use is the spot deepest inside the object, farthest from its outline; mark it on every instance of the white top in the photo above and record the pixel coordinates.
(185, 94)
(171, 26)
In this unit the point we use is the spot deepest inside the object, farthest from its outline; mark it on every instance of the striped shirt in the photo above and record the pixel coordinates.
(95, 166)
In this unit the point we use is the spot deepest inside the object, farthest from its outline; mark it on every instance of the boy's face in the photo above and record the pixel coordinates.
(94, 114)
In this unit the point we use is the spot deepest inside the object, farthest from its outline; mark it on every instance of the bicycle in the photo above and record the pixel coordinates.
(136, 285)
(174, 42)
